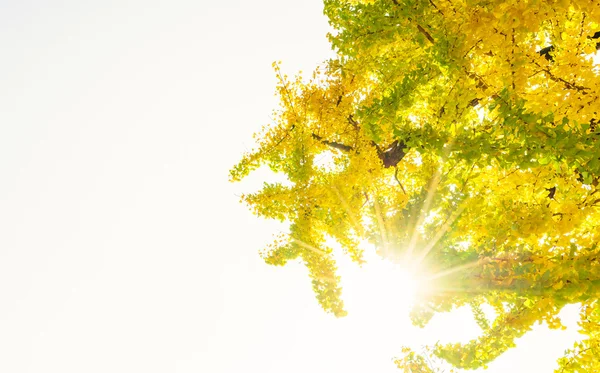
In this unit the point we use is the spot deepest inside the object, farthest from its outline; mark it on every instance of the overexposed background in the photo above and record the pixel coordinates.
(123, 248)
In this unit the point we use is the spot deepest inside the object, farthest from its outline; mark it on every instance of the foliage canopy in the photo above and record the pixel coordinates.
(462, 135)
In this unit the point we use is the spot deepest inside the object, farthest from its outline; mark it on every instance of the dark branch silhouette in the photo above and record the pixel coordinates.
(333, 144)
(546, 52)
(393, 154)
(390, 157)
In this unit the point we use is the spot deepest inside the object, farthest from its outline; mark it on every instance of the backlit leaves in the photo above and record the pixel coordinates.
(460, 134)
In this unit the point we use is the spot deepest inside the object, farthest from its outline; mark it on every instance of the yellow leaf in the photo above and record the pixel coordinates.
(558, 285)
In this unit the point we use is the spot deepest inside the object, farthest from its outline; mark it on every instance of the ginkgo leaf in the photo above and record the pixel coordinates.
(447, 124)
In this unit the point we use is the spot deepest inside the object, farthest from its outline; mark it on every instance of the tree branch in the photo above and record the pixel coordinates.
(419, 27)
(398, 180)
(545, 52)
(567, 84)
(333, 144)
(427, 35)
(353, 122)
(392, 155)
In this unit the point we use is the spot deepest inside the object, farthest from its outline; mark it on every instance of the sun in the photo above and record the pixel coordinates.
(379, 286)
(379, 296)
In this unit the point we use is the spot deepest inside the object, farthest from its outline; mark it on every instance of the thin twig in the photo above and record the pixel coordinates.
(399, 183)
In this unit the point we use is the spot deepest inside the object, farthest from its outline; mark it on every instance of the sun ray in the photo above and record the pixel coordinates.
(381, 224)
(309, 247)
(346, 206)
(433, 185)
(443, 229)
(453, 270)
(454, 290)
(424, 210)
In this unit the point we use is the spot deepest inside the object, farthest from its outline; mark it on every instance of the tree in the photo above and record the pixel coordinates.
(463, 136)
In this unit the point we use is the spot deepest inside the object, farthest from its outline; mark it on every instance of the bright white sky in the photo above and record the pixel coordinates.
(123, 247)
